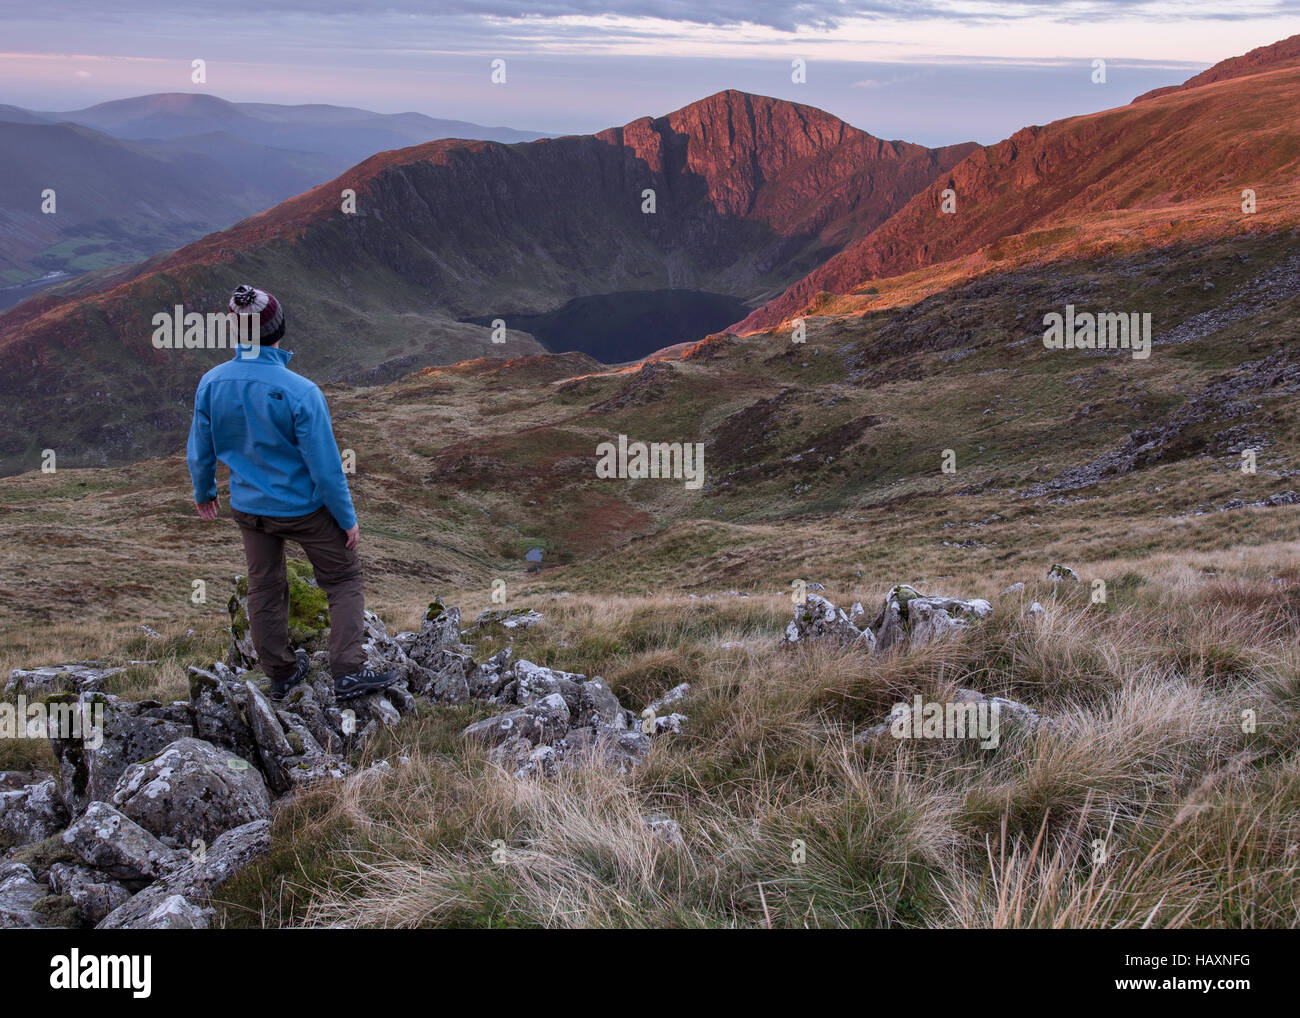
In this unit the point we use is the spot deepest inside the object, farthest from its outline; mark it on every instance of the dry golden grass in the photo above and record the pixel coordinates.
(1144, 804)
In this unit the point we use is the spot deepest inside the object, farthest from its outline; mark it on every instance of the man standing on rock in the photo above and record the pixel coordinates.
(271, 427)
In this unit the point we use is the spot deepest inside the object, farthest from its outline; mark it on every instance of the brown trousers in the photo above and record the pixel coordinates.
(338, 573)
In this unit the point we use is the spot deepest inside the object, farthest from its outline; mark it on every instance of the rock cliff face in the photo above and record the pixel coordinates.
(750, 193)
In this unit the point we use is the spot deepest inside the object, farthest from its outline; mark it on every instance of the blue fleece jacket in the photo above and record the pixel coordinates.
(271, 427)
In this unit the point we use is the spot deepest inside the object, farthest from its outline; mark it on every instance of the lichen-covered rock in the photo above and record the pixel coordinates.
(664, 828)
(218, 710)
(1059, 573)
(268, 734)
(31, 813)
(439, 632)
(817, 619)
(158, 910)
(674, 696)
(308, 614)
(617, 750)
(21, 899)
(929, 624)
(192, 792)
(514, 618)
(1005, 710)
(106, 840)
(534, 682)
(1013, 710)
(448, 680)
(595, 704)
(78, 677)
(93, 894)
(540, 723)
(910, 619)
(488, 679)
(131, 731)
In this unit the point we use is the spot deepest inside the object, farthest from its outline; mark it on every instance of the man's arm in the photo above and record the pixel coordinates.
(201, 457)
(315, 434)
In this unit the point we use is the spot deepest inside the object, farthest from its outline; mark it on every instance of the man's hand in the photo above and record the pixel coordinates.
(208, 510)
(352, 535)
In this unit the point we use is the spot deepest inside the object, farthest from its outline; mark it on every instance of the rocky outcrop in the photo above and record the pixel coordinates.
(30, 812)
(819, 620)
(160, 803)
(907, 619)
(106, 840)
(79, 677)
(127, 731)
(22, 898)
(565, 719)
(191, 792)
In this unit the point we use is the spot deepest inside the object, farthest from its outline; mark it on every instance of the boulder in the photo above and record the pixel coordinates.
(664, 828)
(158, 910)
(1062, 574)
(595, 704)
(93, 894)
(180, 899)
(116, 734)
(514, 618)
(910, 619)
(218, 710)
(106, 840)
(542, 722)
(619, 751)
(674, 696)
(79, 677)
(192, 791)
(221, 860)
(439, 632)
(534, 682)
(817, 619)
(22, 898)
(488, 679)
(1012, 711)
(31, 813)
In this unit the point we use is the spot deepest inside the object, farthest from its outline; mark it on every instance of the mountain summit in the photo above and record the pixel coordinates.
(1174, 165)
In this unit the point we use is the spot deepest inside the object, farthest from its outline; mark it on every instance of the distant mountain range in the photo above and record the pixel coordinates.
(138, 176)
(777, 205)
(750, 194)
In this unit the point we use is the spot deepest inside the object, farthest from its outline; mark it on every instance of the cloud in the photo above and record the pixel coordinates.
(780, 15)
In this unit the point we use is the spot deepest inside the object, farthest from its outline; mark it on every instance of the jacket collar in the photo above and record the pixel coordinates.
(266, 354)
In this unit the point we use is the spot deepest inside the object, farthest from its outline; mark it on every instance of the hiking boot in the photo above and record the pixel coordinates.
(282, 686)
(349, 687)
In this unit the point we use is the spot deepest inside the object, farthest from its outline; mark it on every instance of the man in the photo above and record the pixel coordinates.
(271, 427)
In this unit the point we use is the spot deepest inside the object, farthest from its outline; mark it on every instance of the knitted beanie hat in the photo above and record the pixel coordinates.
(248, 300)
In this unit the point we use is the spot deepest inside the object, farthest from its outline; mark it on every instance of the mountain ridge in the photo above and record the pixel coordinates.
(1160, 160)
(454, 229)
